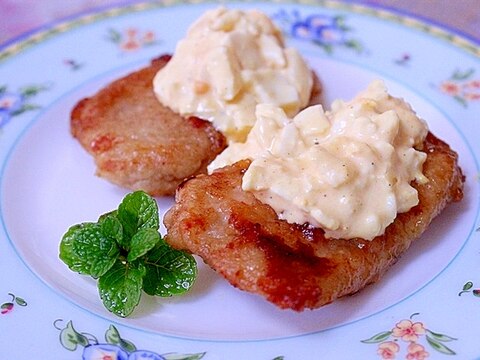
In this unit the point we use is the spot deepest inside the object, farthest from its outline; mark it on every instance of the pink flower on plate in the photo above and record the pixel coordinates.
(6, 308)
(408, 331)
(388, 350)
(131, 32)
(472, 96)
(130, 45)
(149, 37)
(473, 84)
(450, 88)
(416, 352)
(132, 39)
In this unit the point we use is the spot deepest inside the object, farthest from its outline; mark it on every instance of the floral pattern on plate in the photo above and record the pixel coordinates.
(7, 307)
(327, 31)
(132, 39)
(468, 287)
(463, 86)
(73, 64)
(13, 103)
(411, 336)
(404, 59)
(114, 347)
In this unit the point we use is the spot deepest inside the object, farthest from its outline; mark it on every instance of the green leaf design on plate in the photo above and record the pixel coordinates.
(184, 356)
(86, 250)
(112, 336)
(461, 100)
(71, 338)
(25, 108)
(467, 286)
(142, 242)
(20, 301)
(6, 306)
(121, 287)
(439, 346)
(114, 36)
(169, 271)
(440, 337)
(459, 75)
(378, 337)
(32, 90)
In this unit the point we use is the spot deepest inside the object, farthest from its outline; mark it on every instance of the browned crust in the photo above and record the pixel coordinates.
(139, 144)
(295, 266)
(136, 142)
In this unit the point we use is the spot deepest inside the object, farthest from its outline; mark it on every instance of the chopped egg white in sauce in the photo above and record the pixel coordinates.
(348, 170)
(230, 61)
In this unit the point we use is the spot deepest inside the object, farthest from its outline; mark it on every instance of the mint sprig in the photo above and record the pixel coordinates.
(127, 254)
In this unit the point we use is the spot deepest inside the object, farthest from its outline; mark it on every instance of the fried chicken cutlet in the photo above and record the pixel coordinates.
(137, 142)
(296, 266)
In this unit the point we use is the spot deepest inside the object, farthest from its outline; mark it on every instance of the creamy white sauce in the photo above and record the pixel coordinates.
(230, 61)
(348, 170)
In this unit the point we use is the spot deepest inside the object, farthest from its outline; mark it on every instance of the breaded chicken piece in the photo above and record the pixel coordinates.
(139, 144)
(295, 266)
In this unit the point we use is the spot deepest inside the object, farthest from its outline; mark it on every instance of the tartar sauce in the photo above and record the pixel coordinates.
(230, 61)
(348, 170)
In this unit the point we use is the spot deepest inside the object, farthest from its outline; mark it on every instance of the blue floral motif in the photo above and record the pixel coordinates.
(323, 30)
(4, 117)
(115, 348)
(147, 355)
(318, 27)
(10, 104)
(15, 103)
(109, 351)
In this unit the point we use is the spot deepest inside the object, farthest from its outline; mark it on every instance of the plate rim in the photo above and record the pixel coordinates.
(434, 28)
(44, 31)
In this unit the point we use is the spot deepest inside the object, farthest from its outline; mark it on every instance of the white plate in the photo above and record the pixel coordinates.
(48, 184)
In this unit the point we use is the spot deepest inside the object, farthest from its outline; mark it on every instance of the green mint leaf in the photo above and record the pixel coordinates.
(120, 287)
(86, 250)
(169, 271)
(137, 210)
(126, 253)
(67, 255)
(143, 241)
(111, 226)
